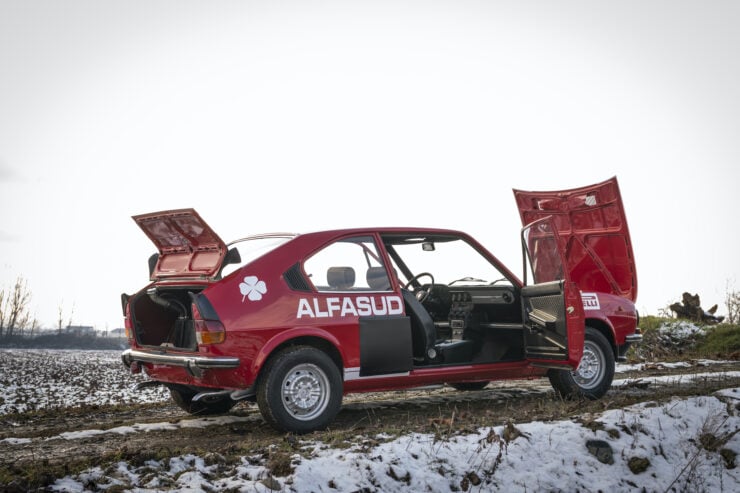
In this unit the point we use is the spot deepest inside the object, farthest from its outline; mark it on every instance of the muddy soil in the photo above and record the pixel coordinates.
(38, 451)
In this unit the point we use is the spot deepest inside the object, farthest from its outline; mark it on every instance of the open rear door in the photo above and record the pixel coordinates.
(188, 247)
(554, 321)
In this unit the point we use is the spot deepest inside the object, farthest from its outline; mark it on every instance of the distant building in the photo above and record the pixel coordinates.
(81, 330)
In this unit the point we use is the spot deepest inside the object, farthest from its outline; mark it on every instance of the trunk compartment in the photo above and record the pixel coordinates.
(163, 317)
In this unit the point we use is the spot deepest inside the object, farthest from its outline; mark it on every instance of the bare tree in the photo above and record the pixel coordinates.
(16, 308)
(27, 322)
(2, 312)
(71, 315)
(33, 326)
(732, 303)
(60, 317)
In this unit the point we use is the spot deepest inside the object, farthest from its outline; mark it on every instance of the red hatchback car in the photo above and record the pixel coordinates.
(294, 321)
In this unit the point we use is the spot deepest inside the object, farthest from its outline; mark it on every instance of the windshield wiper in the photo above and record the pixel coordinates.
(468, 279)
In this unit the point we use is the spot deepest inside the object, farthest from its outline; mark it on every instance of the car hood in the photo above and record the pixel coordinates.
(188, 247)
(593, 234)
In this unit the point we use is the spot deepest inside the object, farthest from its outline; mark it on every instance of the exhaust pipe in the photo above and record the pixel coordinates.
(234, 395)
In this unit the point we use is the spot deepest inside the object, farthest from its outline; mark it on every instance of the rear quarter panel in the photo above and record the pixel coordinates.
(256, 325)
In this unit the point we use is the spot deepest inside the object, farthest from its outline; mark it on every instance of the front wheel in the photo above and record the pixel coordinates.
(300, 390)
(593, 377)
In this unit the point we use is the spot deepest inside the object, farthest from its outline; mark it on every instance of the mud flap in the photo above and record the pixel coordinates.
(385, 345)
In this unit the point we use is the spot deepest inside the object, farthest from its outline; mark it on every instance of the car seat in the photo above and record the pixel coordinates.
(340, 278)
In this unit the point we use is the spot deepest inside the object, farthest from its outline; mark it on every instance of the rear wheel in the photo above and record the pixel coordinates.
(593, 377)
(469, 385)
(300, 390)
(183, 397)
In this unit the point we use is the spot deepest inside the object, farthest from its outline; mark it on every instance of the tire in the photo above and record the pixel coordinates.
(593, 377)
(300, 390)
(469, 385)
(183, 397)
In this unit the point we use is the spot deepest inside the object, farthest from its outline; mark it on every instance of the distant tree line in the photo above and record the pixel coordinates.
(20, 328)
(53, 340)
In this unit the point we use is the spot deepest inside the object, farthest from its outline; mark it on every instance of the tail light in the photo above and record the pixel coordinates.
(128, 327)
(208, 328)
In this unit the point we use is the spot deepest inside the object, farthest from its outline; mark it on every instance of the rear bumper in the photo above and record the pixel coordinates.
(193, 364)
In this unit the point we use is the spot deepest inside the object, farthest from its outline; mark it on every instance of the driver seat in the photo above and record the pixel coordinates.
(423, 333)
(426, 347)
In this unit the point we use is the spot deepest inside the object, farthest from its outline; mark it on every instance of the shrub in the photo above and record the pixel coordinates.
(722, 340)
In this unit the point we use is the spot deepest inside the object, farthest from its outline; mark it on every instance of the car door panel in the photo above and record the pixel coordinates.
(551, 308)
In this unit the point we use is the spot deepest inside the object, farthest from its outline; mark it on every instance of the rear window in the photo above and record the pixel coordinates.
(252, 248)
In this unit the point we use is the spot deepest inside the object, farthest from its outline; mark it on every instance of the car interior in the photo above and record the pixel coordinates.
(466, 320)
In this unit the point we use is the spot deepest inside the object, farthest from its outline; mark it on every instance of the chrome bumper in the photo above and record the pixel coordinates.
(633, 338)
(193, 364)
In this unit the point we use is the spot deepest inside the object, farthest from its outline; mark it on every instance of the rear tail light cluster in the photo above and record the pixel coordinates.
(127, 325)
(208, 328)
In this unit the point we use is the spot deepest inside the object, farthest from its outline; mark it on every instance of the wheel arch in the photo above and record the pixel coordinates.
(316, 338)
(606, 330)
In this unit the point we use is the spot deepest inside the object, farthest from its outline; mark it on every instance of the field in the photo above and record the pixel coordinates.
(32, 380)
(72, 422)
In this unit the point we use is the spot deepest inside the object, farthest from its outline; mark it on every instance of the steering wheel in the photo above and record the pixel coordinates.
(420, 291)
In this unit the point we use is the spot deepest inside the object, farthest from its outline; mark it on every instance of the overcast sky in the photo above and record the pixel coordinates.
(296, 116)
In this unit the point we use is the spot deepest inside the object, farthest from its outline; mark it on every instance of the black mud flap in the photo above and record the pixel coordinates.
(385, 345)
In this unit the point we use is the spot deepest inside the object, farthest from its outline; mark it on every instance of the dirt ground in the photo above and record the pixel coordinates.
(440, 410)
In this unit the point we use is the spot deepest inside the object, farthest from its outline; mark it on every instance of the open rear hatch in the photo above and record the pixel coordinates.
(188, 247)
(593, 232)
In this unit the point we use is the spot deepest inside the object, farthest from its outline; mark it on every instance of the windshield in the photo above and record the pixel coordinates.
(450, 260)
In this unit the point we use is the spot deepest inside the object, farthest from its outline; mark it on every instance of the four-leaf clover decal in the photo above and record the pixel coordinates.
(252, 288)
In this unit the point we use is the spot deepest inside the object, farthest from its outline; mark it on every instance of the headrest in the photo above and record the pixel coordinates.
(340, 277)
(377, 278)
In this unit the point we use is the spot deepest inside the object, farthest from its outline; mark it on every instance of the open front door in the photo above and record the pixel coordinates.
(554, 322)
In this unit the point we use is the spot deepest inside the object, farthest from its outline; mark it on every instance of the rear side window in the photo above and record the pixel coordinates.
(349, 264)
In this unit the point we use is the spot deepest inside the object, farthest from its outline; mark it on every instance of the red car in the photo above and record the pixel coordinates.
(294, 321)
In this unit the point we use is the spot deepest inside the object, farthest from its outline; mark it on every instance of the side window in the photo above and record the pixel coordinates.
(349, 264)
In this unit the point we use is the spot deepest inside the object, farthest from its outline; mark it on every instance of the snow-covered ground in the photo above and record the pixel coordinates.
(682, 445)
(687, 444)
(35, 379)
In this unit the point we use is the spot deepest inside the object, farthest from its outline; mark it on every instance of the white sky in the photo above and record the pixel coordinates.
(275, 116)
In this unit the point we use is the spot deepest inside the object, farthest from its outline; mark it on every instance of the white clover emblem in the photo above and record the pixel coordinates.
(252, 288)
